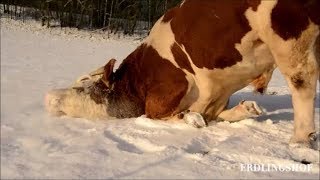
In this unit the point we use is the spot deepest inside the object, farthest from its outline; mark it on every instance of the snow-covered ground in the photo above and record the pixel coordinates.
(35, 145)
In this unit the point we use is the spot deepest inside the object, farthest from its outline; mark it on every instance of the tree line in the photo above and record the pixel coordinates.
(126, 16)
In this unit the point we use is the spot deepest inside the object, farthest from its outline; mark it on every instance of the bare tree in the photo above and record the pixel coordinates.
(118, 16)
(110, 17)
(105, 13)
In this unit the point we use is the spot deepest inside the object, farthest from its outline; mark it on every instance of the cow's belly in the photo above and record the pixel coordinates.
(210, 89)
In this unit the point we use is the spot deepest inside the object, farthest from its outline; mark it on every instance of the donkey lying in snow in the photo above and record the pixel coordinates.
(197, 55)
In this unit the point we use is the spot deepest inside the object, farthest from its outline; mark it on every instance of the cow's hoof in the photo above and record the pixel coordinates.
(251, 108)
(312, 141)
(194, 119)
(53, 101)
(306, 151)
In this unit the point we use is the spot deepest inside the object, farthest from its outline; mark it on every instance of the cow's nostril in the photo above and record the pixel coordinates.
(53, 102)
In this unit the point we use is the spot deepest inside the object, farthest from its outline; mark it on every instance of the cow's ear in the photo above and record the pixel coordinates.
(108, 72)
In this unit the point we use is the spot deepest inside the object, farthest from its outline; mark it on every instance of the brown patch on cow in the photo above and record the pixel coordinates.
(167, 87)
(209, 31)
(108, 72)
(169, 15)
(145, 83)
(181, 58)
(297, 80)
(289, 18)
(254, 4)
(257, 42)
(259, 84)
(313, 9)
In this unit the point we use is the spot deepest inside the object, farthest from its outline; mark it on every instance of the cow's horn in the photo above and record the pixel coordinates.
(84, 78)
(99, 71)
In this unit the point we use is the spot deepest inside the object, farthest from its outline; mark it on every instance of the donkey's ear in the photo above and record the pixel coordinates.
(108, 72)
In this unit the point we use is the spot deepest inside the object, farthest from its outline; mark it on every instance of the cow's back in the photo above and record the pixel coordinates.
(209, 30)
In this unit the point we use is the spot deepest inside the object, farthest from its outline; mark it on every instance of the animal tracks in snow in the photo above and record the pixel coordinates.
(122, 144)
(133, 144)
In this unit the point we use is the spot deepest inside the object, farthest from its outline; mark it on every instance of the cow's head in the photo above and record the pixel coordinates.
(93, 96)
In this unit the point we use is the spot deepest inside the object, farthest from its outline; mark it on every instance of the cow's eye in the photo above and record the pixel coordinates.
(108, 91)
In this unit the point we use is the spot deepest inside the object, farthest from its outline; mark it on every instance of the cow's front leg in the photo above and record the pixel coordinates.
(193, 118)
(163, 101)
(244, 110)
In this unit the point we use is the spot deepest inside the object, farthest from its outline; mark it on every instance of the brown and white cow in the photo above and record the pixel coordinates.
(201, 52)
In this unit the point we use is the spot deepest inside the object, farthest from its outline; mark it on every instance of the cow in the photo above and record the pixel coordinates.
(197, 55)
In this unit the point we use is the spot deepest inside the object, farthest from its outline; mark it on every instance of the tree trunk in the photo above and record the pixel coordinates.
(48, 14)
(91, 15)
(110, 17)
(81, 16)
(4, 7)
(165, 5)
(105, 13)
(15, 8)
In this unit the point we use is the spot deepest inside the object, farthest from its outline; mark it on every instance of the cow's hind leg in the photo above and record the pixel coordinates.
(296, 61)
(244, 110)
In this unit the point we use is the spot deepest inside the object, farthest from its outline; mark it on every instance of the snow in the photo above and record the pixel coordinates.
(36, 145)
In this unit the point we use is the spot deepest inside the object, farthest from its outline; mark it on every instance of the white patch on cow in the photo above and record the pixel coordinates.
(260, 20)
(161, 38)
(74, 104)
